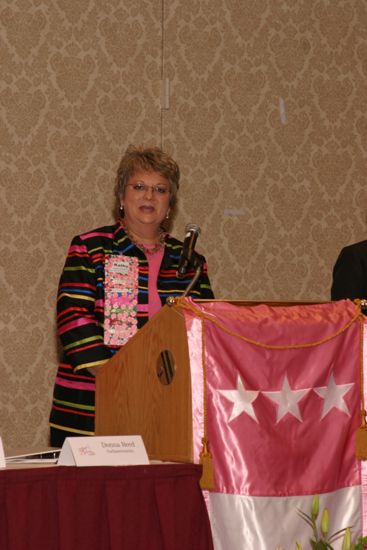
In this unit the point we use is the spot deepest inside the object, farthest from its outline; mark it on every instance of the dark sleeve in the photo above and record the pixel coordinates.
(349, 275)
(79, 312)
(205, 288)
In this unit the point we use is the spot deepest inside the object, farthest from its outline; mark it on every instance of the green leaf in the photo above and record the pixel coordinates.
(360, 543)
(322, 545)
(306, 518)
(338, 534)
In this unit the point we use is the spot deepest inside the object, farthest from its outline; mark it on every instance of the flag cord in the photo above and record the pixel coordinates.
(183, 303)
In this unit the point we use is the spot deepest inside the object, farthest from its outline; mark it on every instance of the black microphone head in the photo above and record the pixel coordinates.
(192, 227)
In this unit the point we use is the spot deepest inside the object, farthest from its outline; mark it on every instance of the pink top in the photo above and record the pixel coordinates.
(154, 261)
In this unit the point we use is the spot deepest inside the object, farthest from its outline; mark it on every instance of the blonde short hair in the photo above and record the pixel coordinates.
(151, 159)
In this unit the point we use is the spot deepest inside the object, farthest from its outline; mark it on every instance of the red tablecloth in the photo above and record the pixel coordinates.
(156, 507)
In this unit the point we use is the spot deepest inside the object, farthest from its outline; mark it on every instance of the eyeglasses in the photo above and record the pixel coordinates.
(141, 188)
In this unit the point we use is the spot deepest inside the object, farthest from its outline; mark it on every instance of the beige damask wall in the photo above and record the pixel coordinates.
(264, 109)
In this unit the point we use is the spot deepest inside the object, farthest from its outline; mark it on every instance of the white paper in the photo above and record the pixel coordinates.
(109, 450)
(46, 456)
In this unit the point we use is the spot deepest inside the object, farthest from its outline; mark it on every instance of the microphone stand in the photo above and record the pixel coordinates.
(198, 265)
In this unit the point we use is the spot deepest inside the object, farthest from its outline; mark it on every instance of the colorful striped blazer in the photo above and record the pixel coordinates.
(80, 316)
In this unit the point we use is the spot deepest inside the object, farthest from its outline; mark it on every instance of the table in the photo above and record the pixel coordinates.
(155, 507)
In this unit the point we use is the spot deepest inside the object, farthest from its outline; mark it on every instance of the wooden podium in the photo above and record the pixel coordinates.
(131, 399)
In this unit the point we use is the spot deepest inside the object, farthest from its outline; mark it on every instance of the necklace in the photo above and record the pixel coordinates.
(147, 249)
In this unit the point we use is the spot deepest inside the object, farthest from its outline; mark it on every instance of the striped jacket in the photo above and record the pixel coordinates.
(80, 316)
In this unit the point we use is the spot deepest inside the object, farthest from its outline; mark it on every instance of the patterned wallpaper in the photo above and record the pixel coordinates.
(266, 117)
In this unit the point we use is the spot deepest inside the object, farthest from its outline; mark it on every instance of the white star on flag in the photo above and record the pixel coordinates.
(287, 399)
(241, 399)
(333, 395)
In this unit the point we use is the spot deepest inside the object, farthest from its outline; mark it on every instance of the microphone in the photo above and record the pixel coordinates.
(188, 250)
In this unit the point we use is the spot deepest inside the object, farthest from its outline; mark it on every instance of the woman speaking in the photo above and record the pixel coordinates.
(114, 279)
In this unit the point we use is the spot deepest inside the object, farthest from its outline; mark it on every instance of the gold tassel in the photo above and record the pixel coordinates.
(361, 439)
(206, 460)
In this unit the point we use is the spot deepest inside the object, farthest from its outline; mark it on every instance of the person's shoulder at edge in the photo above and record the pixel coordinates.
(362, 245)
(349, 272)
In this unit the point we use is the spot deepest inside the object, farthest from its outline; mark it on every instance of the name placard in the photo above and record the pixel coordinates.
(109, 450)
(2, 455)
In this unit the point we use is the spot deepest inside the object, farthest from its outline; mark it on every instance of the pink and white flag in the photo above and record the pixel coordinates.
(283, 406)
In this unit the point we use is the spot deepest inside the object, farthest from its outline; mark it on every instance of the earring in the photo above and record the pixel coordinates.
(121, 211)
(167, 215)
